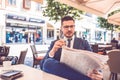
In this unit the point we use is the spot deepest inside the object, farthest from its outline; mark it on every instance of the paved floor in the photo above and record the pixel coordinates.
(29, 62)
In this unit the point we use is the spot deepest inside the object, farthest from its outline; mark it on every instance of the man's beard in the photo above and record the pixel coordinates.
(69, 35)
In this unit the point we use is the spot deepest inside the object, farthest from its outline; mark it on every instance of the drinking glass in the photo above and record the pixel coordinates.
(7, 65)
(61, 36)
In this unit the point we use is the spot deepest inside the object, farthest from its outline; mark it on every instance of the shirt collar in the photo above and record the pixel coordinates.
(65, 38)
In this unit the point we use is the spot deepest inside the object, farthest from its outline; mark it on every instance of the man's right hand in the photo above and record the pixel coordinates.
(58, 44)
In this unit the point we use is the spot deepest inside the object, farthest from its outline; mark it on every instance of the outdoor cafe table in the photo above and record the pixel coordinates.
(105, 47)
(30, 73)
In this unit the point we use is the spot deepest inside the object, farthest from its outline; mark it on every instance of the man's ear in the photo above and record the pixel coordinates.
(61, 34)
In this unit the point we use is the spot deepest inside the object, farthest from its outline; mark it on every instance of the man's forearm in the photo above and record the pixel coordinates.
(51, 54)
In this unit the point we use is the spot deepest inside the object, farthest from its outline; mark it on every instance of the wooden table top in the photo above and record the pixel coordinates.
(30, 73)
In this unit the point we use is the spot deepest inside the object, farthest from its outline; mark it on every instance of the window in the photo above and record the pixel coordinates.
(12, 2)
(18, 33)
(50, 33)
(98, 35)
(88, 14)
(38, 7)
(26, 4)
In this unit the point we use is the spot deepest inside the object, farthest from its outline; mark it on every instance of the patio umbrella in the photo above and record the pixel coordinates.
(114, 19)
(97, 7)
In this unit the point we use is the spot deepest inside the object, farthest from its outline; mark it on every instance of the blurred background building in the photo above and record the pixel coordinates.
(22, 22)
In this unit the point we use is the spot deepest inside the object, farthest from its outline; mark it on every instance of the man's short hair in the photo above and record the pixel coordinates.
(66, 18)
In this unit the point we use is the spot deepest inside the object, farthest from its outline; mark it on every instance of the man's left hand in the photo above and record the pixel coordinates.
(95, 75)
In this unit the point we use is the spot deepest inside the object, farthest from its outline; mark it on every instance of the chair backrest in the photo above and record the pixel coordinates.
(114, 61)
(7, 49)
(4, 50)
(114, 45)
(22, 56)
(94, 48)
(34, 51)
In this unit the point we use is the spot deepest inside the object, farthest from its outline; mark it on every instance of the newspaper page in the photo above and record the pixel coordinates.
(81, 60)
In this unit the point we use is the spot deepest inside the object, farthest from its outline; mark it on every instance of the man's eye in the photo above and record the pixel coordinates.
(66, 26)
(71, 26)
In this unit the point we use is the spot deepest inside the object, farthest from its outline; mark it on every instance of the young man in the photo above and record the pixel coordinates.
(51, 62)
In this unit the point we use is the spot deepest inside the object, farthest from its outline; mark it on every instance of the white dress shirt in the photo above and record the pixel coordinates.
(71, 42)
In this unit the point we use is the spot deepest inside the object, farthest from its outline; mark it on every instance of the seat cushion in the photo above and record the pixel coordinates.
(39, 57)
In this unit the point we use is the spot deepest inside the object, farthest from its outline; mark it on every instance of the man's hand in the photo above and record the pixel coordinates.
(58, 44)
(95, 75)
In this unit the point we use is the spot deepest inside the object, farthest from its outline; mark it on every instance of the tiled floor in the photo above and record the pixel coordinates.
(29, 62)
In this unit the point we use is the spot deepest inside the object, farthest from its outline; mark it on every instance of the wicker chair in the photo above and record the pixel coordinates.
(22, 56)
(114, 64)
(114, 45)
(7, 49)
(4, 50)
(36, 58)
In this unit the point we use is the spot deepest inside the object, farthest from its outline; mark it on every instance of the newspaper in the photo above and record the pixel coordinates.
(81, 60)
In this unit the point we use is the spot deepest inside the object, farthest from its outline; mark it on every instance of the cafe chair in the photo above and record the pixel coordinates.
(114, 45)
(94, 48)
(4, 50)
(114, 64)
(7, 49)
(22, 56)
(36, 58)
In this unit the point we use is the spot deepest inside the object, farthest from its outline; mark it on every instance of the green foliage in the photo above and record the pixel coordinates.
(102, 22)
(116, 11)
(55, 11)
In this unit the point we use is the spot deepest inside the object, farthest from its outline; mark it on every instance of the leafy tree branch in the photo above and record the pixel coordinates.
(55, 11)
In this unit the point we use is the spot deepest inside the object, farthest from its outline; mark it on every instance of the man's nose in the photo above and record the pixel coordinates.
(69, 28)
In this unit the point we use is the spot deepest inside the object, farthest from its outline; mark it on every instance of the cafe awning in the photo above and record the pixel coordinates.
(39, 1)
(114, 19)
(50, 26)
(97, 7)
